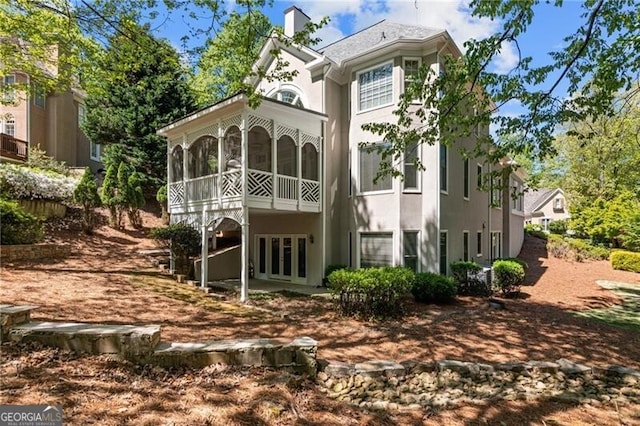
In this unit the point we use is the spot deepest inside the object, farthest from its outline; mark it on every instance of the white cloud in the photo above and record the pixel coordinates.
(451, 15)
(507, 59)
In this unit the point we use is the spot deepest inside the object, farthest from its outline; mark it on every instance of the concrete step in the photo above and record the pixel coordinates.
(299, 354)
(12, 315)
(130, 341)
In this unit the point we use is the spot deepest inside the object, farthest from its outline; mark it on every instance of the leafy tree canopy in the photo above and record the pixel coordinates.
(597, 62)
(139, 87)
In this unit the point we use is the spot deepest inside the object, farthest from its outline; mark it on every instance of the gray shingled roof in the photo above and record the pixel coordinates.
(382, 33)
(533, 199)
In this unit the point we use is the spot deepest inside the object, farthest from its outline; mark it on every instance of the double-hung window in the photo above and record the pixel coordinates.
(375, 87)
(444, 247)
(411, 182)
(10, 127)
(39, 95)
(376, 249)
(410, 249)
(411, 67)
(370, 160)
(8, 91)
(466, 178)
(465, 246)
(444, 164)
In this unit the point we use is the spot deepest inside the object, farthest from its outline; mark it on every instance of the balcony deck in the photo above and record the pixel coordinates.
(264, 190)
(12, 148)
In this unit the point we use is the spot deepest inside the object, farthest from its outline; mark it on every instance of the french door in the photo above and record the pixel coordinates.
(282, 257)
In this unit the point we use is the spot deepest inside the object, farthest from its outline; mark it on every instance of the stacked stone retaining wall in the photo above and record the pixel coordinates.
(415, 385)
(10, 253)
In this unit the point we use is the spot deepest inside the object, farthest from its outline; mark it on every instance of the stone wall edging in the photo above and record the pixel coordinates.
(382, 384)
(39, 251)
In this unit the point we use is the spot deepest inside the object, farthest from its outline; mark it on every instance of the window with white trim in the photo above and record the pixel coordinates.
(376, 249)
(39, 95)
(496, 192)
(558, 203)
(466, 179)
(545, 221)
(95, 150)
(10, 127)
(8, 91)
(370, 160)
(444, 172)
(479, 177)
(375, 87)
(410, 250)
(465, 246)
(411, 68)
(411, 181)
(479, 244)
(289, 97)
(496, 245)
(444, 246)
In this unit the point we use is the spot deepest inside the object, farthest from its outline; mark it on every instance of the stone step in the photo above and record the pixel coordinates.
(299, 354)
(130, 341)
(12, 315)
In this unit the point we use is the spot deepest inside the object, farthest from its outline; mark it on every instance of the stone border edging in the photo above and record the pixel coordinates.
(34, 251)
(410, 385)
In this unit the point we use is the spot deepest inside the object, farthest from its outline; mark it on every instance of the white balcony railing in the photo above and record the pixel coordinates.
(260, 186)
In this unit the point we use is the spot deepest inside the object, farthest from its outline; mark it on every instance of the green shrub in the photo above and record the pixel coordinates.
(371, 292)
(631, 235)
(184, 243)
(433, 288)
(18, 226)
(467, 279)
(508, 276)
(575, 249)
(522, 263)
(535, 231)
(625, 260)
(330, 268)
(558, 227)
(86, 194)
(162, 198)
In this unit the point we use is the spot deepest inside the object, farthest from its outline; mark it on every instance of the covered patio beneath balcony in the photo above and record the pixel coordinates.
(229, 159)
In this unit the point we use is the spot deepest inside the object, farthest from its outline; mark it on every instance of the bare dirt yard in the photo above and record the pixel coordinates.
(107, 281)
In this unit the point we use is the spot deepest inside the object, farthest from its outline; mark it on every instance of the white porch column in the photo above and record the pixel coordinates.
(299, 166)
(244, 261)
(185, 164)
(221, 164)
(274, 163)
(204, 265)
(244, 258)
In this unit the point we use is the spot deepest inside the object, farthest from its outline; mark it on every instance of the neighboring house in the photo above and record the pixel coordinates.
(291, 176)
(543, 206)
(51, 121)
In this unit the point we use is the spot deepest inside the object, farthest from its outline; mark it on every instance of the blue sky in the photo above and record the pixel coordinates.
(550, 25)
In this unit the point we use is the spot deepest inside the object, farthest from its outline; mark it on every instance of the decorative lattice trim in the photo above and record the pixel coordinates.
(288, 131)
(314, 140)
(265, 123)
(211, 130)
(231, 121)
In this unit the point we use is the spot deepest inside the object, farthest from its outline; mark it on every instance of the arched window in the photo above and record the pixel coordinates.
(232, 147)
(176, 164)
(287, 156)
(203, 157)
(259, 149)
(288, 96)
(309, 162)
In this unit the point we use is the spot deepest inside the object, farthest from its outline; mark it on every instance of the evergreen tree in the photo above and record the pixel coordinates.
(134, 200)
(139, 88)
(86, 194)
(109, 194)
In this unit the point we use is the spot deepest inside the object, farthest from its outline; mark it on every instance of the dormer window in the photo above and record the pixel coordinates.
(289, 97)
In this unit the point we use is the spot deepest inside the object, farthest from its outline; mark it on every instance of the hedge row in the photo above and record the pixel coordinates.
(575, 249)
(626, 260)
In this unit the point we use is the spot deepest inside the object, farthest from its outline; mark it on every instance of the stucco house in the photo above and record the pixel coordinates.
(543, 206)
(50, 120)
(290, 176)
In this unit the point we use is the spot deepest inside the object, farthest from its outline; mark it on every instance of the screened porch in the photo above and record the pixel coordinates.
(280, 168)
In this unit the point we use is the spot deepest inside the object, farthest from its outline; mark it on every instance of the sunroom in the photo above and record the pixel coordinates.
(230, 161)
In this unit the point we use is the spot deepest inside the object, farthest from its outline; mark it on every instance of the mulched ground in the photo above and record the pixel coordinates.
(106, 281)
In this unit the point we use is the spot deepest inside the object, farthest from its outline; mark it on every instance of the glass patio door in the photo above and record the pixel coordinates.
(282, 257)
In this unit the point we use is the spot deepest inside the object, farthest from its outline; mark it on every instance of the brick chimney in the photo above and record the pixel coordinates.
(294, 21)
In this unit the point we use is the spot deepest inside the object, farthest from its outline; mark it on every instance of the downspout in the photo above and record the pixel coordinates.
(436, 262)
(323, 173)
